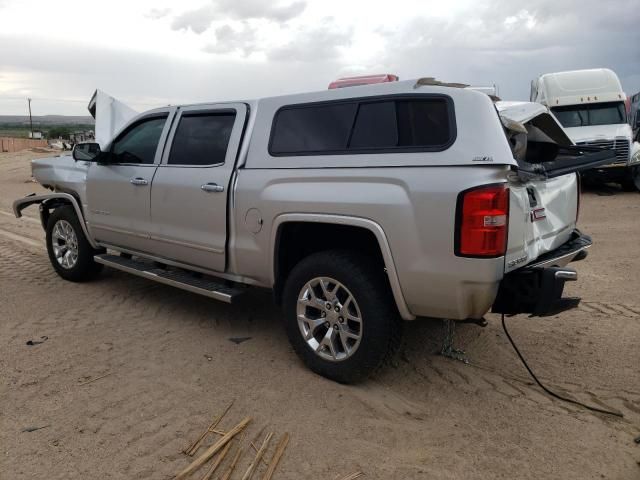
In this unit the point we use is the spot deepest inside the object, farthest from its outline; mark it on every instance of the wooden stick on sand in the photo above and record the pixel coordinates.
(193, 448)
(214, 466)
(254, 464)
(276, 457)
(353, 476)
(213, 449)
(229, 471)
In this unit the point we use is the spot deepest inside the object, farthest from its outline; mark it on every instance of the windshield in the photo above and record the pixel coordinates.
(593, 114)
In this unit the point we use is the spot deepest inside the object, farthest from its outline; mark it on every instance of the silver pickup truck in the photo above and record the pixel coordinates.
(358, 207)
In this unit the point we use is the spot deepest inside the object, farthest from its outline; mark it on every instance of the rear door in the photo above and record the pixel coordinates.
(190, 189)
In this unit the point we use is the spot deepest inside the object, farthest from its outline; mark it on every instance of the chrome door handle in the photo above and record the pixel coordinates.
(212, 187)
(139, 181)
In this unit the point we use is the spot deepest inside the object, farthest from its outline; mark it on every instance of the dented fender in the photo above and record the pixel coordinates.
(52, 200)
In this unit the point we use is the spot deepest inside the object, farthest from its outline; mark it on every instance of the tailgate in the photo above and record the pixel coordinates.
(542, 216)
(545, 192)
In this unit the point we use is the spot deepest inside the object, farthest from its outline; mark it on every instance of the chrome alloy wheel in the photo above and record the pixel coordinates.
(329, 319)
(65, 244)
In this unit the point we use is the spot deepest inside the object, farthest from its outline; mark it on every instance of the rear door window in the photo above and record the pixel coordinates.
(202, 139)
(380, 126)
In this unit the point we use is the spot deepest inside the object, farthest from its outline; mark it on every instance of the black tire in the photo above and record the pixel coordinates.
(632, 182)
(380, 322)
(84, 268)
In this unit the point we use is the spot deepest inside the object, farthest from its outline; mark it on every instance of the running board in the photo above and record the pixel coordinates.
(200, 284)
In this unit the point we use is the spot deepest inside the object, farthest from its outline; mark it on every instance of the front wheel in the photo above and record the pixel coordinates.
(69, 251)
(632, 182)
(340, 315)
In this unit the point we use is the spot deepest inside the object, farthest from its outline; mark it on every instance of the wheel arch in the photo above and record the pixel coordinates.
(49, 201)
(363, 224)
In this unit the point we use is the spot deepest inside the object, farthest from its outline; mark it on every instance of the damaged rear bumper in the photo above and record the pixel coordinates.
(537, 288)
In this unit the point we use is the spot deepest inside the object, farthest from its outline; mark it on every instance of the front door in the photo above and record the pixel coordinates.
(191, 186)
(119, 188)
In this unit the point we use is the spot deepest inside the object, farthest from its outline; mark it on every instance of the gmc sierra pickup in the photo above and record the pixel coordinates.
(358, 207)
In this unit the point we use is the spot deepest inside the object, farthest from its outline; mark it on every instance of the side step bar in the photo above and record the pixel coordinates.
(202, 285)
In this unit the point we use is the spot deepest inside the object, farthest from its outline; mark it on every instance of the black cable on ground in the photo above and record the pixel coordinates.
(553, 394)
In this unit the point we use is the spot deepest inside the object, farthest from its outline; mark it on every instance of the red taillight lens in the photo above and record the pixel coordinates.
(482, 222)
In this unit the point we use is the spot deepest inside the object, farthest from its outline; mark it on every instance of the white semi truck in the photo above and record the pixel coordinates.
(590, 105)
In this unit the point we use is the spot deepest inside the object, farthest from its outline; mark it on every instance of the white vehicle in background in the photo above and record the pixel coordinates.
(590, 105)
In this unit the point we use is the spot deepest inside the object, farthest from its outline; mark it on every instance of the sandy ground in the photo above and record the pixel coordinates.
(423, 417)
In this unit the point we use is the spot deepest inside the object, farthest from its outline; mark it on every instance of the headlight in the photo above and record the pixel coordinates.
(635, 153)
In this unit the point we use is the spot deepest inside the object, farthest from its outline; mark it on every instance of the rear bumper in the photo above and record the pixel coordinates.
(537, 288)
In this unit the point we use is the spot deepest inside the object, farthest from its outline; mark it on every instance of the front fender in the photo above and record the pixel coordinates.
(52, 200)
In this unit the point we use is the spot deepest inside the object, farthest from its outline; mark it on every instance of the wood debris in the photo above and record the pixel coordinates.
(214, 466)
(223, 446)
(213, 449)
(353, 476)
(276, 457)
(229, 471)
(94, 379)
(193, 448)
(254, 464)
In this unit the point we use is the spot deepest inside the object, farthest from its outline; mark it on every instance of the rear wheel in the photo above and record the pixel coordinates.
(340, 315)
(69, 251)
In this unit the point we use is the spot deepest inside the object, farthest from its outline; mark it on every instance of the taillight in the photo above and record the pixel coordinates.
(482, 222)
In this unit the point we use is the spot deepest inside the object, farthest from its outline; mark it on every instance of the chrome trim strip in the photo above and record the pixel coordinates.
(560, 261)
(187, 244)
(356, 222)
(22, 203)
(97, 226)
(223, 297)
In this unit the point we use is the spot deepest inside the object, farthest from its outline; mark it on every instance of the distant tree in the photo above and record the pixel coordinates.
(58, 132)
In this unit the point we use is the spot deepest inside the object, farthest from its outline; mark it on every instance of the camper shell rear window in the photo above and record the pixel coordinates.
(389, 124)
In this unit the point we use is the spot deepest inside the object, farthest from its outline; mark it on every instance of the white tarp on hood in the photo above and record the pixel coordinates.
(110, 115)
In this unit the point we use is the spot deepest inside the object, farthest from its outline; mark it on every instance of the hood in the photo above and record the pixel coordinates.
(599, 132)
(110, 115)
(533, 119)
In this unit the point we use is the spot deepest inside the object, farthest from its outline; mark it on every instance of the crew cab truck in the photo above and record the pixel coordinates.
(590, 104)
(358, 207)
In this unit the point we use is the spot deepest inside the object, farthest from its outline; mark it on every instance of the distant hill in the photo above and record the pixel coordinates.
(47, 120)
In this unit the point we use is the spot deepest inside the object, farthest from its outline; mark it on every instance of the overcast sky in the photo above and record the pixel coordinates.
(150, 53)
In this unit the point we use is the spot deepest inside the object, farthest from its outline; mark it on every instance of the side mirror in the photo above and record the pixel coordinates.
(86, 152)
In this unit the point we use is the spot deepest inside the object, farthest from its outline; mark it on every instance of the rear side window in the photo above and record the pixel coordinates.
(202, 139)
(313, 129)
(365, 126)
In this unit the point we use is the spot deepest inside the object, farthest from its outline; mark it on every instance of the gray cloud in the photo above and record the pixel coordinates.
(157, 13)
(512, 42)
(200, 19)
(487, 43)
(229, 40)
(314, 44)
(247, 9)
